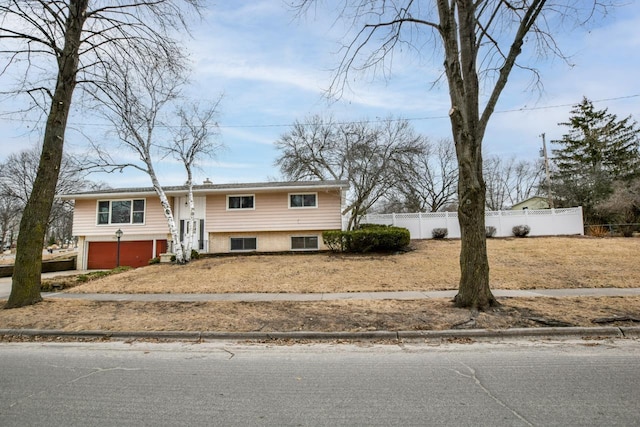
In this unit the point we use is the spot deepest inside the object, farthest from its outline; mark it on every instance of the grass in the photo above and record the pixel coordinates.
(516, 263)
(560, 262)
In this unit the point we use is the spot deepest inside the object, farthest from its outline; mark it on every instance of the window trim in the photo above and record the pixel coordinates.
(307, 236)
(315, 194)
(243, 238)
(241, 195)
(109, 212)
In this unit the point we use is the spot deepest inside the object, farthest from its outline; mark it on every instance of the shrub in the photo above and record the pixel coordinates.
(155, 260)
(334, 239)
(521, 230)
(490, 231)
(367, 239)
(195, 254)
(367, 226)
(439, 233)
(626, 230)
(597, 231)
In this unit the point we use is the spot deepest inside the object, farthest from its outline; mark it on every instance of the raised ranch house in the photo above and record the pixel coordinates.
(263, 217)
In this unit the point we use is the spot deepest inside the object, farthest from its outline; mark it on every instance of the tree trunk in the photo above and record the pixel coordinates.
(25, 288)
(473, 291)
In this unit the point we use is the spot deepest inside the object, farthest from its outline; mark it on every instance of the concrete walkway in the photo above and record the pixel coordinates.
(5, 290)
(405, 295)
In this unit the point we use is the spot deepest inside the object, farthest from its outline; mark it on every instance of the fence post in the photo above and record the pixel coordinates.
(393, 219)
(420, 225)
(446, 220)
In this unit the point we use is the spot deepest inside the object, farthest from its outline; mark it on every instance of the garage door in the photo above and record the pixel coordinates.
(102, 255)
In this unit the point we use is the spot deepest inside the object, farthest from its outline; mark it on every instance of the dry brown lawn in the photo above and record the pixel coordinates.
(561, 262)
(332, 316)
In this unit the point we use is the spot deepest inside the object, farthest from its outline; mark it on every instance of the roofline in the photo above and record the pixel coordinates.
(209, 189)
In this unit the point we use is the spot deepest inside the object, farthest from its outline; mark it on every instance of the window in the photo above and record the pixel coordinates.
(240, 202)
(243, 243)
(303, 200)
(304, 242)
(121, 211)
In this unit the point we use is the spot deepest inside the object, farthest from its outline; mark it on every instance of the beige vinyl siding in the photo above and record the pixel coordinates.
(85, 220)
(267, 241)
(272, 213)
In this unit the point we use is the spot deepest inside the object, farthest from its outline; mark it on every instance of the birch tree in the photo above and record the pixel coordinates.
(479, 42)
(193, 140)
(55, 46)
(134, 97)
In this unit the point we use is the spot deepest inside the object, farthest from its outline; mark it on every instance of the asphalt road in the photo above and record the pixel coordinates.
(545, 383)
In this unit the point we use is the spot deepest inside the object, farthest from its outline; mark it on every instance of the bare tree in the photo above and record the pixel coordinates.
(511, 181)
(368, 156)
(9, 220)
(480, 41)
(194, 139)
(17, 176)
(428, 182)
(133, 97)
(622, 207)
(70, 43)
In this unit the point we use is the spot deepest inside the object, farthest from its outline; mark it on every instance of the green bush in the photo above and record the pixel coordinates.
(334, 239)
(521, 230)
(371, 238)
(195, 254)
(439, 233)
(367, 226)
(155, 260)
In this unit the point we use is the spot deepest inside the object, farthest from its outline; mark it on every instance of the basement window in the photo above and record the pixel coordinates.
(244, 243)
(302, 243)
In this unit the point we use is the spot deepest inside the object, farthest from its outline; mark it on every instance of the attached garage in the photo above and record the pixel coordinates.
(103, 255)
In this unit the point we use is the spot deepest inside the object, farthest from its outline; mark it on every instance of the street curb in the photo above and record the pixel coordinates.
(569, 332)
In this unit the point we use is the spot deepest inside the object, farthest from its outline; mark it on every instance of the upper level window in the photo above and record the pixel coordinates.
(308, 200)
(240, 202)
(121, 211)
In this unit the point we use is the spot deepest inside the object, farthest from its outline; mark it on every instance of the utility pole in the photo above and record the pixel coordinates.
(546, 169)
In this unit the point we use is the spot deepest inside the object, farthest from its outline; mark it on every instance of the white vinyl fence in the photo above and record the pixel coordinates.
(543, 222)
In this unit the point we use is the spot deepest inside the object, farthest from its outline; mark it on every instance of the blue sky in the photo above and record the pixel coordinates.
(273, 69)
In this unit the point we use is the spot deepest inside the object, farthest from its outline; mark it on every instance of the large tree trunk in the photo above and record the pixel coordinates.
(467, 128)
(473, 291)
(25, 289)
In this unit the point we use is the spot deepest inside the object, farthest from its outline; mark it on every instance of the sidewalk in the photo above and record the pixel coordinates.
(5, 290)
(5, 282)
(600, 332)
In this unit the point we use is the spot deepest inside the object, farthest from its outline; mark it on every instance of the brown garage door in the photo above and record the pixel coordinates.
(102, 255)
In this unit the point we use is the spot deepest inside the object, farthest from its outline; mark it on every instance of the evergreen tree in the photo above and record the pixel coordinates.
(598, 150)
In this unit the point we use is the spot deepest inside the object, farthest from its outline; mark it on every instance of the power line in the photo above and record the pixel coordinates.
(377, 120)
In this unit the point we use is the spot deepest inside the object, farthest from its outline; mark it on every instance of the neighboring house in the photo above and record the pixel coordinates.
(263, 217)
(535, 202)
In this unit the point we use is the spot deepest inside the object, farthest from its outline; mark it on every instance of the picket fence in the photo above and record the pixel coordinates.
(543, 222)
